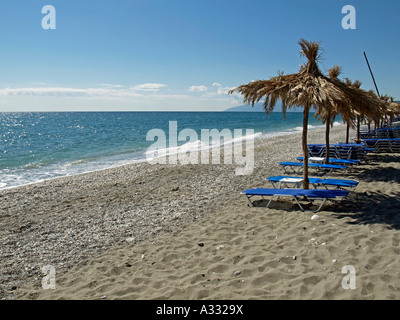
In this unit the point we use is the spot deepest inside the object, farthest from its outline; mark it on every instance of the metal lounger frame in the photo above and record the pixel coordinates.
(295, 198)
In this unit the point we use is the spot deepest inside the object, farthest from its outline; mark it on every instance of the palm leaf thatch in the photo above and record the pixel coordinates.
(328, 115)
(387, 108)
(357, 85)
(349, 112)
(307, 88)
(392, 108)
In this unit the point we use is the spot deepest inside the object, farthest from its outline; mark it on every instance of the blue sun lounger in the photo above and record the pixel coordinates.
(340, 151)
(287, 182)
(316, 182)
(297, 195)
(345, 162)
(383, 145)
(340, 183)
(322, 168)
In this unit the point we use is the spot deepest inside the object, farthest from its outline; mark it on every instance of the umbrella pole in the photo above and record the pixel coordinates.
(305, 147)
(347, 133)
(372, 75)
(327, 140)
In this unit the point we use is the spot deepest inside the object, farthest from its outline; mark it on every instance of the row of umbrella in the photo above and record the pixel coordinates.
(327, 94)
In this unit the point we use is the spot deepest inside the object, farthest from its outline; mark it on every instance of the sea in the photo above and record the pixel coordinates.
(45, 145)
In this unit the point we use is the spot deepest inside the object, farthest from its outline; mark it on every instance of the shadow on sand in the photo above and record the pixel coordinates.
(371, 208)
(375, 206)
(363, 208)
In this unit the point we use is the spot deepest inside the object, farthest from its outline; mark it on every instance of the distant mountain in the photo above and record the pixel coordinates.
(259, 107)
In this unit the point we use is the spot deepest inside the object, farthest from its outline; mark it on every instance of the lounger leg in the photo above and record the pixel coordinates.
(248, 198)
(301, 207)
(300, 170)
(298, 203)
(319, 208)
(285, 170)
(269, 201)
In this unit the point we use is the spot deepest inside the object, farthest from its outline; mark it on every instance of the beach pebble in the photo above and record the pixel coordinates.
(294, 258)
(238, 272)
(315, 217)
(220, 247)
(130, 240)
(200, 244)
(107, 215)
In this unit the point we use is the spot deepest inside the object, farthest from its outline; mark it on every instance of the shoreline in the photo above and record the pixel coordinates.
(142, 155)
(83, 223)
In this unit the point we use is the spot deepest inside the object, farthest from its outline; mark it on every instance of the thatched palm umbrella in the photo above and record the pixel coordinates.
(328, 114)
(384, 108)
(392, 108)
(307, 88)
(357, 85)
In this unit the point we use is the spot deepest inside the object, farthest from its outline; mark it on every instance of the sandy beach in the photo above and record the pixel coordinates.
(185, 232)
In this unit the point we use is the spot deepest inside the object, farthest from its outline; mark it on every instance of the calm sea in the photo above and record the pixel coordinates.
(39, 146)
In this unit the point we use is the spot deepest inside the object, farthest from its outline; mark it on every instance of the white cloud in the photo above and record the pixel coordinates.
(198, 89)
(109, 85)
(149, 87)
(218, 91)
(65, 91)
(146, 96)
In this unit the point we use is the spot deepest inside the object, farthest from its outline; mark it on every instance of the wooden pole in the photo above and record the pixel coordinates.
(373, 79)
(372, 75)
(327, 147)
(305, 146)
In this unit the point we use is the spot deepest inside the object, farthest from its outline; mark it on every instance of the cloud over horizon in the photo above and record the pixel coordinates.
(149, 87)
(106, 89)
(198, 88)
(106, 95)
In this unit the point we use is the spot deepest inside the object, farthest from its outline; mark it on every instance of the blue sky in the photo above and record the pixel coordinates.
(141, 55)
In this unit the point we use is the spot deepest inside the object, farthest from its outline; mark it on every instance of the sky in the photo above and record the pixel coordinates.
(181, 55)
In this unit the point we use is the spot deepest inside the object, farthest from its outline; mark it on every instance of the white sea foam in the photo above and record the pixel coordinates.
(199, 145)
(34, 173)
